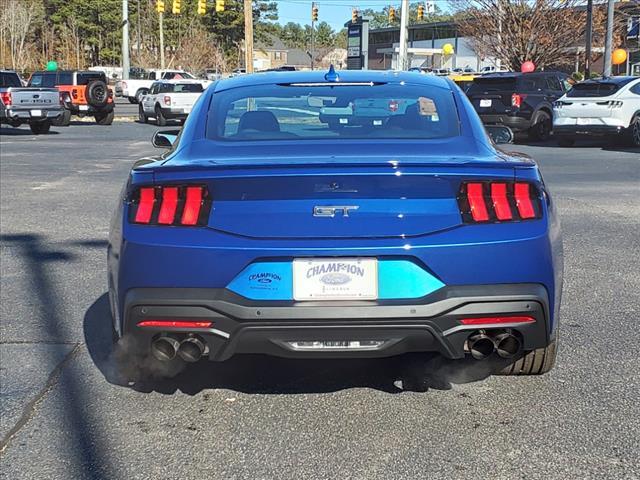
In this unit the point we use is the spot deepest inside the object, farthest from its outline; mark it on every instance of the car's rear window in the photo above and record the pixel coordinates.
(595, 89)
(492, 84)
(43, 80)
(320, 111)
(187, 88)
(85, 77)
(9, 79)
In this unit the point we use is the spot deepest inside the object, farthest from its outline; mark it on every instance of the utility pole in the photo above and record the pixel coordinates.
(404, 22)
(608, 42)
(313, 33)
(138, 32)
(587, 50)
(160, 15)
(248, 36)
(125, 39)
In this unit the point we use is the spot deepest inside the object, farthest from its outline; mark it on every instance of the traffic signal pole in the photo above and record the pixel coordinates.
(404, 23)
(125, 40)
(608, 42)
(313, 33)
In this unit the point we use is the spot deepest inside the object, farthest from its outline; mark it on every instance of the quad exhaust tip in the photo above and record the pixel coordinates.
(480, 346)
(164, 348)
(507, 345)
(191, 349)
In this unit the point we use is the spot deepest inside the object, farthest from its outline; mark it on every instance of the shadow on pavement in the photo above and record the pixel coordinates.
(265, 374)
(17, 131)
(37, 256)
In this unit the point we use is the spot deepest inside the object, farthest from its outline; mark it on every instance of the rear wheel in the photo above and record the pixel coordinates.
(566, 142)
(634, 132)
(40, 127)
(139, 94)
(63, 120)
(142, 117)
(105, 118)
(132, 99)
(161, 121)
(541, 128)
(534, 362)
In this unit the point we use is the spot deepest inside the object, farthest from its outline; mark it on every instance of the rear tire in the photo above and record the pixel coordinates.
(139, 94)
(105, 118)
(63, 120)
(161, 121)
(132, 100)
(541, 128)
(142, 117)
(566, 142)
(534, 362)
(40, 127)
(633, 135)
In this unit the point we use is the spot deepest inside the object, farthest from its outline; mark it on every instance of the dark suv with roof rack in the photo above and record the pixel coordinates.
(521, 101)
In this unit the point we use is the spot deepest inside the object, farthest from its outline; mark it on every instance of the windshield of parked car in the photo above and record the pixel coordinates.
(187, 88)
(596, 89)
(321, 111)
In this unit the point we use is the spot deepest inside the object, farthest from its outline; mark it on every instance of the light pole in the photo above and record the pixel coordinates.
(404, 22)
(587, 50)
(608, 42)
(125, 39)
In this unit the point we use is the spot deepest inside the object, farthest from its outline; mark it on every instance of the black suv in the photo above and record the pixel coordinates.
(522, 101)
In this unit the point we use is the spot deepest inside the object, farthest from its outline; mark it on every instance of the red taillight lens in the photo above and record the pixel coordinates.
(74, 93)
(167, 100)
(192, 206)
(145, 205)
(169, 205)
(174, 324)
(187, 205)
(478, 208)
(524, 201)
(6, 98)
(497, 320)
(499, 202)
(517, 98)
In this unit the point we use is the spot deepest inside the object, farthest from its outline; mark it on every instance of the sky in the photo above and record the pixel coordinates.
(334, 12)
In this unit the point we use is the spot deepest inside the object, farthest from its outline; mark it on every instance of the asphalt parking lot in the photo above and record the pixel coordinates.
(63, 416)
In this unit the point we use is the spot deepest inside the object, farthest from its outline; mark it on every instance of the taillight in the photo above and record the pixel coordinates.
(497, 320)
(74, 93)
(393, 105)
(612, 103)
(123, 85)
(499, 202)
(178, 205)
(167, 100)
(517, 98)
(175, 324)
(6, 98)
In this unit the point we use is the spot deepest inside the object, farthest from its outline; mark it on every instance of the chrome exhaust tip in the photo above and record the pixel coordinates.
(164, 348)
(480, 346)
(191, 349)
(507, 345)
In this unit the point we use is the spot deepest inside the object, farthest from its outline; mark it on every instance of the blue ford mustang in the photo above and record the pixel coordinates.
(324, 215)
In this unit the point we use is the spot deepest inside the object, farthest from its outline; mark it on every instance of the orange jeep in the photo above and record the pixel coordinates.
(84, 93)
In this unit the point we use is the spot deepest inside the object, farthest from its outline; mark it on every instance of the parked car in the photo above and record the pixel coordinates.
(463, 80)
(36, 106)
(521, 101)
(263, 230)
(84, 93)
(135, 88)
(492, 69)
(606, 107)
(169, 99)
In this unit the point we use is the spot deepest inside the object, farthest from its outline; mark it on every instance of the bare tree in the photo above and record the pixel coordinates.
(198, 51)
(16, 19)
(516, 31)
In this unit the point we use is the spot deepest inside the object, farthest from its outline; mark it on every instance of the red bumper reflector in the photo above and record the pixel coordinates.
(169, 205)
(523, 200)
(496, 320)
(174, 324)
(476, 202)
(145, 207)
(192, 206)
(500, 201)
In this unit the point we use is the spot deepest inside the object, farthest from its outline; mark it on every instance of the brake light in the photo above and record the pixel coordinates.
(497, 320)
(167, 100)
(123, 85)
(517, 98)
(393, 105)
(186, 205)
(6, 98)
(174, 324)
(74, 93)
(499, 202)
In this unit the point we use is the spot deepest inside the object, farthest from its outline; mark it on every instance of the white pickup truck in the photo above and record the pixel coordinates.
(135, 88)
(170, 99)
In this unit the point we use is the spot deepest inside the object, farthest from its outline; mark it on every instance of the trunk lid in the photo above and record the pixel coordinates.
(372, 201)
(36, 98)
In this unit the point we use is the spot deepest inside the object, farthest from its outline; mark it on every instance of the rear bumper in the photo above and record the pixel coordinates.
(175, 113)
(88, 109)
(24, 115)
(429, 324)
(580, 130)
(515, 123)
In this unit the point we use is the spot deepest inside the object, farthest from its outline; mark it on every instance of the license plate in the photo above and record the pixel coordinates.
(83, 107)
(335, 279)
(485, 102)
(36, 113)
(584, 121)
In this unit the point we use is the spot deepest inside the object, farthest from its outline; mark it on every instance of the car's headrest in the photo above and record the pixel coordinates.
(260, 120)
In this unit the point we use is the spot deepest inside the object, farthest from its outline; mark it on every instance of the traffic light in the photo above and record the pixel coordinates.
(354, 15)
(420, 12)
(202, 7)
(392, 14)
(160, 6)
(314, 13)
(176, 7)
(219, 6)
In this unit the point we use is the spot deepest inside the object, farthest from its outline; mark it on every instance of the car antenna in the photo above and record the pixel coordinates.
(331, 75)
